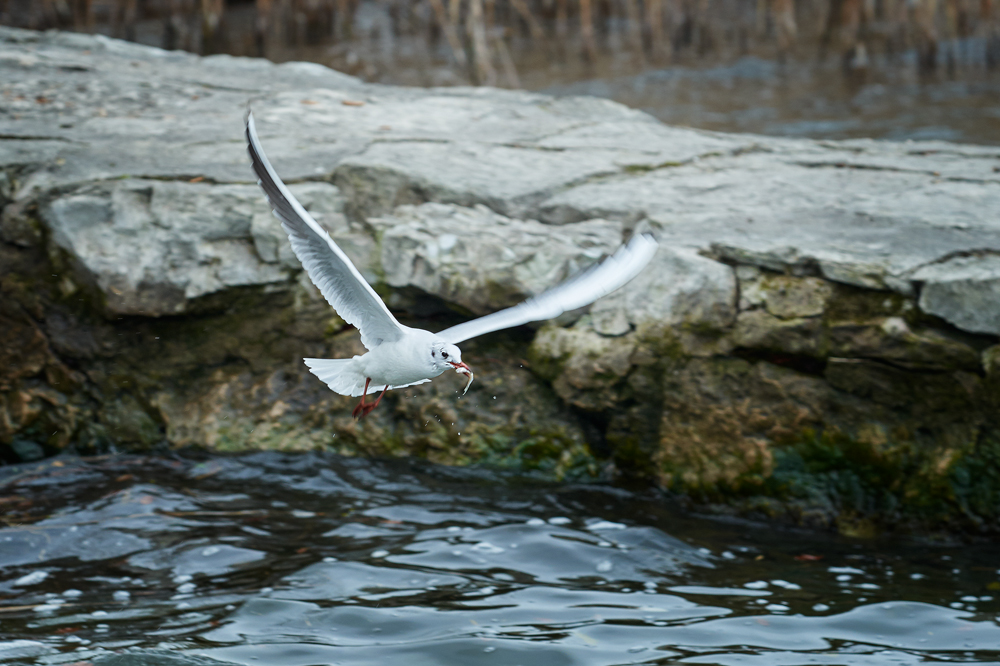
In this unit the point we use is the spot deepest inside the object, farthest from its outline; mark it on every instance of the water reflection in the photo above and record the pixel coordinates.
(889, 100)
(313, 559)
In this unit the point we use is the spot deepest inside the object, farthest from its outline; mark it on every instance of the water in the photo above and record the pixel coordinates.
(297, 560)
(809, 97)
(813, 100)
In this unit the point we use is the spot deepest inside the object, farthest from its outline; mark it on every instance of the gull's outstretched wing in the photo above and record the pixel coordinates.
(328, 267)
(597, 281)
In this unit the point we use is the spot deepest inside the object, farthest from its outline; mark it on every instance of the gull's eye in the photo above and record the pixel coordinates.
(444, 354)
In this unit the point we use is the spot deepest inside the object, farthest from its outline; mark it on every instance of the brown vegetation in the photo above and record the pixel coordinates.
(482, 37)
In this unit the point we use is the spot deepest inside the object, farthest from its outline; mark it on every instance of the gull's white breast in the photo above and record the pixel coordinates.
(404, 361)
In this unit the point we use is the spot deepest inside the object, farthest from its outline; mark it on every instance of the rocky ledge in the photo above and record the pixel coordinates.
(815, 341)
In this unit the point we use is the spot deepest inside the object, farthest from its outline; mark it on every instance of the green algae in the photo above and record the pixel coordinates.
(549, 453)
(848, 303)
(893, 483)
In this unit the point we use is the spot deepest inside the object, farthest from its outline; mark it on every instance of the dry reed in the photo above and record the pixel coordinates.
(480, 35)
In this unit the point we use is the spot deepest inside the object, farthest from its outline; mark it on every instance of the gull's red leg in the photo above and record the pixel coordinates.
(359, 411)
(368, 408)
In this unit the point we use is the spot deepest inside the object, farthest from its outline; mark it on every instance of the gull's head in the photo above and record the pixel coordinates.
(445, 356)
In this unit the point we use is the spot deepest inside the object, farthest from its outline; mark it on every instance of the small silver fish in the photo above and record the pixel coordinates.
(464, 371)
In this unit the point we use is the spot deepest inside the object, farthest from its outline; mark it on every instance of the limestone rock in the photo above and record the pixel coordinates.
(892, 339)
(784, 209)
(154, 246)
(786, 297)
(964, 290)
(495, 175)
(679, 286)
(587, 370)
(482, 260)
(761, 330)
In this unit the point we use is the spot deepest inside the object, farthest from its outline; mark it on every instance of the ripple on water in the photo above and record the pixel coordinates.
(326, 560)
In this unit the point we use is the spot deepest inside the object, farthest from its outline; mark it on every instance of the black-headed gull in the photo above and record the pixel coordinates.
(398, 355)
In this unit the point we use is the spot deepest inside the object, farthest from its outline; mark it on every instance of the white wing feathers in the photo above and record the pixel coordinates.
(597, 281)
(328, 267)
(357, 303)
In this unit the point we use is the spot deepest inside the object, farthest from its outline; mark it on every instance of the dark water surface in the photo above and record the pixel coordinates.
(303, 559)
(810, 97)
(815, 100)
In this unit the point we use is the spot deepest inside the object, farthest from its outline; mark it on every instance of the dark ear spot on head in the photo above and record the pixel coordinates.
(434, 353)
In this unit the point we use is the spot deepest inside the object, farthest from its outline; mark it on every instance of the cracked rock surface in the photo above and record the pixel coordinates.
(815, 341)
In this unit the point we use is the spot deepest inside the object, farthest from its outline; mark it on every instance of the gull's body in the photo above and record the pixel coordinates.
(394, 364)
(399, 355)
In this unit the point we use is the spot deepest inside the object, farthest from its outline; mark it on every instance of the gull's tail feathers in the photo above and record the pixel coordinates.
(340, 374)
(343, 377)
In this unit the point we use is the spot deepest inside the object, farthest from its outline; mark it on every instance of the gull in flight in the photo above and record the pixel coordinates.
(398, 355)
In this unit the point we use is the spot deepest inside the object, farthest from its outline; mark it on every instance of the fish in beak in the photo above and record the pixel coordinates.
(463, 369)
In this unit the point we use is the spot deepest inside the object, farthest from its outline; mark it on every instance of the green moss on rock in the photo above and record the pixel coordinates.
(891, 480)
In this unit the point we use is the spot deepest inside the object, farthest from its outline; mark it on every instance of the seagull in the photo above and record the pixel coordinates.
(398, 355)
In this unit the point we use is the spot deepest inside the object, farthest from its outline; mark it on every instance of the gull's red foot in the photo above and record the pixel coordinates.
(363, 409)
(360, 411)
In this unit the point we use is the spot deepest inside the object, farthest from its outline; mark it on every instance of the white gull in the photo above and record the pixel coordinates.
(398, 355)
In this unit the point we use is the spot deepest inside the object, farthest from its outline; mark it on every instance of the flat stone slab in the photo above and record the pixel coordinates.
(77, 110)
(479, 259)
(154, 246)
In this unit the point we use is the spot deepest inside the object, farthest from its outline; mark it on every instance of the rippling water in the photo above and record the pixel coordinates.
(307, 559)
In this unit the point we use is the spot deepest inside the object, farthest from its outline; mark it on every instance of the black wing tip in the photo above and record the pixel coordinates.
(250, 132)
(249, 127)
(256, 154)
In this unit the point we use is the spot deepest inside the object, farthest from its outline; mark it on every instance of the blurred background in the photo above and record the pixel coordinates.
(898, 69)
